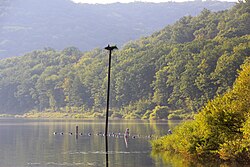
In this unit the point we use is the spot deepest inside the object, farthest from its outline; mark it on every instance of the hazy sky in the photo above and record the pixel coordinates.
(126, 1)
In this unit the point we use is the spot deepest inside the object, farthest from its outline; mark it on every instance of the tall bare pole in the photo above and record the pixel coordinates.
(110, 49)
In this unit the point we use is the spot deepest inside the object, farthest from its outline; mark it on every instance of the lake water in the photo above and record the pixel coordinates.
(31, 143)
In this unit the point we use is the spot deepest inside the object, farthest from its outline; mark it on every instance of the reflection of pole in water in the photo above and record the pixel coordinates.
(107, 155)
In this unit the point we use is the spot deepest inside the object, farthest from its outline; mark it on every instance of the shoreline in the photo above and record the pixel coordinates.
(64, 115)
(52, 115)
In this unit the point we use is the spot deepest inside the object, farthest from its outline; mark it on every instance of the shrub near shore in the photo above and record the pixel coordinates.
(220, 131)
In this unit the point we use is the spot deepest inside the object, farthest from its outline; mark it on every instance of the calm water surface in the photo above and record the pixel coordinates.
(28, 143)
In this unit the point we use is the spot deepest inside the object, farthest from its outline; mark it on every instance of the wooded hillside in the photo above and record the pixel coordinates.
(169, 74)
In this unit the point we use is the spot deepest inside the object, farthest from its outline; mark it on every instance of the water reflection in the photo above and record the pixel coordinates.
(126, 141)
(33, 143)
(175, 160)
(126, 137)
(107, 149)
(107, 159)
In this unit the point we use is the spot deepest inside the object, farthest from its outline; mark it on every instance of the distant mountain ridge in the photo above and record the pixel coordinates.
(27, 25)
(170, 74)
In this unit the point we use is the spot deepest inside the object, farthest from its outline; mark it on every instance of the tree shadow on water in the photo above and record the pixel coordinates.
(176, 160)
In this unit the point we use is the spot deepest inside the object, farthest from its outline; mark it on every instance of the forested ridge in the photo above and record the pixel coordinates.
(170, 74)
(28, 25)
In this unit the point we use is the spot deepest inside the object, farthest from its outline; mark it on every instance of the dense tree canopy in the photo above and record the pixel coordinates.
(169, 74)
(220, 130)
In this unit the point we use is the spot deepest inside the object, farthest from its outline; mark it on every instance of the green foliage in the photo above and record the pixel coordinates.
(221, 129)
(159, 112)
(179, 114)
(141, 108)
(116, 115)
(179, 68)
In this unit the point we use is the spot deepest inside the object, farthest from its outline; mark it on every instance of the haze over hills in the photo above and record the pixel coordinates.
(169, 74)
(28, 25)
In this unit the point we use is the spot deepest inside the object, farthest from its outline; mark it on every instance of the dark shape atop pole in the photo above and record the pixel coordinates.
(110, 48)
